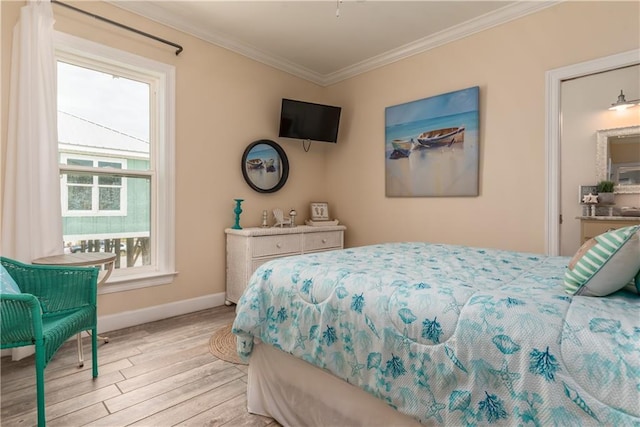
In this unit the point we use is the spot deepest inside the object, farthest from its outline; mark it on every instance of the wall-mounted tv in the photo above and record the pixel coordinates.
(306, 120)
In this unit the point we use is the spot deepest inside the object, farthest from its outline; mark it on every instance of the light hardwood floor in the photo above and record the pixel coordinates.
(156, 374)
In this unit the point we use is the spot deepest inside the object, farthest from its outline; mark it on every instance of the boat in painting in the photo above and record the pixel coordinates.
(401, 145)
(268, 164)
(401, 148)
(444, 137)
(396, 154)
(255, 164)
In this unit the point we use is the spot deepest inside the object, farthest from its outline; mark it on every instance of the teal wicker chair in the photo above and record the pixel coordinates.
(55, 304)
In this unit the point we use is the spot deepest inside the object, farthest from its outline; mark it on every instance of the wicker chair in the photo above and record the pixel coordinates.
(56, 303)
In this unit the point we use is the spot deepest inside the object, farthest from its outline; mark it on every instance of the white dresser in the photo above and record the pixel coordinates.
(249, 248)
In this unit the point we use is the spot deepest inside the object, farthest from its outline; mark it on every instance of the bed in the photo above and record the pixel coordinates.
(419, 333)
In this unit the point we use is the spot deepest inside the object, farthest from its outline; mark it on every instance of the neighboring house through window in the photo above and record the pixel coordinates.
(98, 195)
(116, 145)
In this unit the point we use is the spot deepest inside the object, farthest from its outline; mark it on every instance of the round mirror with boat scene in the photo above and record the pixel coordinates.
(265, 166)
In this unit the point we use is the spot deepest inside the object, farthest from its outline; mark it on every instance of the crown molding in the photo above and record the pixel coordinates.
(484, 22)
(476, 25)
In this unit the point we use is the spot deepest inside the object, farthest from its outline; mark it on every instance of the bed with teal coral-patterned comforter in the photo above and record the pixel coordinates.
(453, 335)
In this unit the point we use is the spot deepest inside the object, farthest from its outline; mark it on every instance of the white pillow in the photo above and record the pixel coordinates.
(604, 264)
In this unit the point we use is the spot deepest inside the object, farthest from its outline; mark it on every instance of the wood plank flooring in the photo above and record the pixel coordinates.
(156, 374)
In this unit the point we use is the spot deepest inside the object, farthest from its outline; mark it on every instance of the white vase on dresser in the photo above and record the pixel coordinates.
(249, 248)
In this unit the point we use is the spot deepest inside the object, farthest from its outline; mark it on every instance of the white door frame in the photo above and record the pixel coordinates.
(553, 130)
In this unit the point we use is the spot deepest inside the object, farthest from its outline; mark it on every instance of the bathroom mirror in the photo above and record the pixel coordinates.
(618, 158)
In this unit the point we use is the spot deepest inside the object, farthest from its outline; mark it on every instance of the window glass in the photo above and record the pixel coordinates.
(104, 125)
(80, 178)
(79, 198)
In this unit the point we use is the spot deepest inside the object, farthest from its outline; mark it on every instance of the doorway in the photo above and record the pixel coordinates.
(555, 129)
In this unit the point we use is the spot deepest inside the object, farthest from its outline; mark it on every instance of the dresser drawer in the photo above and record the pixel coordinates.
(249, 248)
(257, 262)
(323, 240)
(276, 245)
(596, 227)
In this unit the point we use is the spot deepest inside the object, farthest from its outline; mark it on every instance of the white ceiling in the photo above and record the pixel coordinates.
(307, 39)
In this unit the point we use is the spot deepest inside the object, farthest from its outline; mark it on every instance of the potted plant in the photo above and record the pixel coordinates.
(605, 192)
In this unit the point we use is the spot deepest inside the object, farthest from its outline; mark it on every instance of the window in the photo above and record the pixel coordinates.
(87, 195)
(116, 144)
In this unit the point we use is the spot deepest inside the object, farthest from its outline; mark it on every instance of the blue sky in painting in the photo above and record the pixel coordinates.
(447, 104)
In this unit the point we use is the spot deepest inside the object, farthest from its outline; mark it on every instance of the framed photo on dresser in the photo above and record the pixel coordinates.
(319, 211)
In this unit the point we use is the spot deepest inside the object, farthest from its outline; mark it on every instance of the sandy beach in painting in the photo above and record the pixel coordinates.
(263, 179)
(450, 171)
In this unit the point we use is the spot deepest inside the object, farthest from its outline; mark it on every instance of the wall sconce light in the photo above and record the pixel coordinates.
(622, 103)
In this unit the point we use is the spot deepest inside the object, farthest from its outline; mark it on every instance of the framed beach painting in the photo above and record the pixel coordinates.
(431, 146)
(265, 166)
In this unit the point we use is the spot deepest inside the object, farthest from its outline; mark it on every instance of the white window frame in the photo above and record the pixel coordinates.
(161, 163)
(95, 188)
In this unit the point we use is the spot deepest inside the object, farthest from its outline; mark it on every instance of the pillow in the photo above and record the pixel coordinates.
(604, 264)
(634, 285)
(7, 284)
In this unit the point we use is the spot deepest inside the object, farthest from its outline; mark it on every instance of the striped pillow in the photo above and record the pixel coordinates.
(604, 264)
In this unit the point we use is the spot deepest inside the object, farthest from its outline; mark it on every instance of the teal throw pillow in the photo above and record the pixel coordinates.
(7, 284)
(634, 285)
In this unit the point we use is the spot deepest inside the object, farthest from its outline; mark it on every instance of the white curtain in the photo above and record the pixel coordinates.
(31, 216)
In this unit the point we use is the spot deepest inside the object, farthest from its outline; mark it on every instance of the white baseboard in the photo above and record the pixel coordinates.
(112, 322)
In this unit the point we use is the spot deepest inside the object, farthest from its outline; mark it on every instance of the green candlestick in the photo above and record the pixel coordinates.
(238, 211)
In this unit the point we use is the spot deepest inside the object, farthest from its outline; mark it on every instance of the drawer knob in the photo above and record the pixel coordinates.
(324, 240)
(278, 245)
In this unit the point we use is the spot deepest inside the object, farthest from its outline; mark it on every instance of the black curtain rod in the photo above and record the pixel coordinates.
(117, 24)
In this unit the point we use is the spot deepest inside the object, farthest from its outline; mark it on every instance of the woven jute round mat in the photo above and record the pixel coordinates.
(223, 345)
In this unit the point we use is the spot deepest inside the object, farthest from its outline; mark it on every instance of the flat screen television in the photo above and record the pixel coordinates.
(306, 120)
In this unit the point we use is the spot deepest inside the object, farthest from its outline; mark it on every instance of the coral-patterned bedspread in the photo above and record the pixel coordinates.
(453, 335)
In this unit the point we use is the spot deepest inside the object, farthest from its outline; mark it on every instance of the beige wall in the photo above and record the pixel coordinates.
(584, 106)
(225, 101)
(508, 62)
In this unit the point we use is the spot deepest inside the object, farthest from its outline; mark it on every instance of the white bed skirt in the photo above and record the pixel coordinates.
(296, 393)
